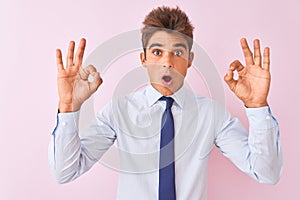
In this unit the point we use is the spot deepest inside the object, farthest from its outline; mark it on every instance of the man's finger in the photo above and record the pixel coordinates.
(247, 53)
(257, 53)
(266, 64)
(59, 61)
(86, 72)
(228, 78)
(236, 65)
(70, 55)
(79, 53)
(96, 82)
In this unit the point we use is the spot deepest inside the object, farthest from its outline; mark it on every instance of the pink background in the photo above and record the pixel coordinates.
(31, 30)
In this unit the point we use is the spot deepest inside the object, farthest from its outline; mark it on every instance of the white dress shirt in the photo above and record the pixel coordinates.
(125, 135)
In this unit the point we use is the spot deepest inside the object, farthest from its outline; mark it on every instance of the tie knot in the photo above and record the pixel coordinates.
(169, 101)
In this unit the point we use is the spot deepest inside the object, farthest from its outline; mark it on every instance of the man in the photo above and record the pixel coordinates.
(153, 165)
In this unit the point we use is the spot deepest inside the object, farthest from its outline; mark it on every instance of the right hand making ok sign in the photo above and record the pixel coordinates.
(72, 80)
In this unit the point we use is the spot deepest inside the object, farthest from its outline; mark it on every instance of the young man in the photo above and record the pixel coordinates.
(164, 143)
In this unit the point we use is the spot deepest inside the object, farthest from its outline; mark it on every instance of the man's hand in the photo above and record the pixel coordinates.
(253, 82)
(72, 80)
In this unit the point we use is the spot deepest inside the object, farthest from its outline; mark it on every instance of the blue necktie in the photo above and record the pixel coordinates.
(166, 162)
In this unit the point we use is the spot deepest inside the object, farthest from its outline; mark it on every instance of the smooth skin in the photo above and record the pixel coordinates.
(72, 80)
(252, 85)
(167, 54)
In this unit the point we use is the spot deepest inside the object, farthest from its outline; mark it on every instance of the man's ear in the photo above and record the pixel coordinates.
(191, 58)
(143, 58)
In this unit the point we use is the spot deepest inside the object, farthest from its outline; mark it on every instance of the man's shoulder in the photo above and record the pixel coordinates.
(136, 98)
(190, 95)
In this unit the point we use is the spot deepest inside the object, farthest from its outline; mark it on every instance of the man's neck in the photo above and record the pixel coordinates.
(165, 91)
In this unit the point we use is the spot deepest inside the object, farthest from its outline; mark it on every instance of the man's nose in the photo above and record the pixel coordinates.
(168, 60)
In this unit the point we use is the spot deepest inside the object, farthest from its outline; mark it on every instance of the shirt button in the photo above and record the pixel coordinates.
(64, 123)
(268, 117)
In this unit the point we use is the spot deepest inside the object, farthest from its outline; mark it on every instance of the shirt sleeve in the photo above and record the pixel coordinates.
(257, 152)
(71, 153)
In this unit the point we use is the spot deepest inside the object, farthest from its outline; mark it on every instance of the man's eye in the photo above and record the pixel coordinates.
(156, 52)
(178, 53)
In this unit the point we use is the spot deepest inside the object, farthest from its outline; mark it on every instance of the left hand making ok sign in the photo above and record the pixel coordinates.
(253, 82)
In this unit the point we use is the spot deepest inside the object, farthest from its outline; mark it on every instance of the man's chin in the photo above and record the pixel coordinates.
(165, 90)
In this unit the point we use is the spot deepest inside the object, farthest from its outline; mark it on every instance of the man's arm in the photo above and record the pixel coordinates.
(259, 153)
(69, 155)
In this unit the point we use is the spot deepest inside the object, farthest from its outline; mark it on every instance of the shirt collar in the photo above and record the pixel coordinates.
(153, 95)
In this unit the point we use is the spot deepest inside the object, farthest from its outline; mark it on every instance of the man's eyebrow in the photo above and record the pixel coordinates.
(155, 45)
(180, 45)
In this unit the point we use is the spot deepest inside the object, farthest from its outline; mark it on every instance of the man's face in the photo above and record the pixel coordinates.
(167, 60)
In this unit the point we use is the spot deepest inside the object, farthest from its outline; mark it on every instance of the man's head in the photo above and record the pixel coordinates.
(167, 38)
(169, 19)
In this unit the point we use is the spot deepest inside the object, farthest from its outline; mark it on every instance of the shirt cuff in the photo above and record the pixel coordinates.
(261, 118)
(67, 122)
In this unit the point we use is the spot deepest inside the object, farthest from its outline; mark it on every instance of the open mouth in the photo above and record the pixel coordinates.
(167, 80)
